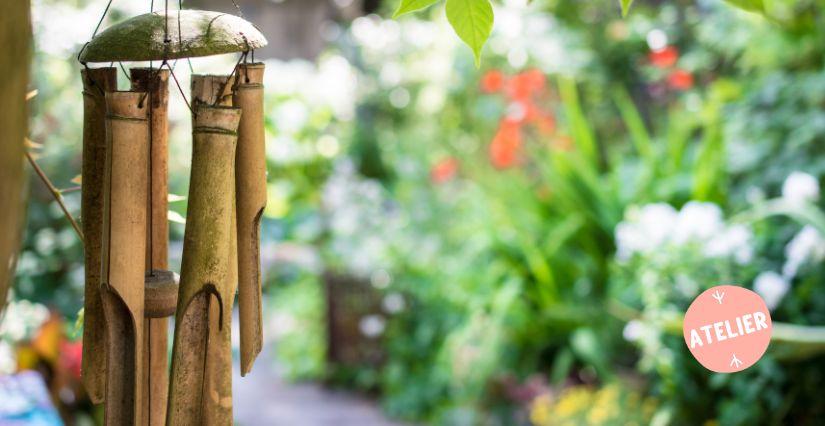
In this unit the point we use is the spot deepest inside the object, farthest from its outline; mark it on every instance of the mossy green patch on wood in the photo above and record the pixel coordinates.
(153, 37)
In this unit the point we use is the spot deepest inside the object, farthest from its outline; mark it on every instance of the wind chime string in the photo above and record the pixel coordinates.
(128, 77)
(228, 79)
(94, 33)
(180, 89)
(105, 11)
(240, 13)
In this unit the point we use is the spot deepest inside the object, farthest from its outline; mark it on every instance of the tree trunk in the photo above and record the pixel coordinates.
(15, 37)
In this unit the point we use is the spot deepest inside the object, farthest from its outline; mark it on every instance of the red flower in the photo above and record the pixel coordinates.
(506, 145)
(71, 354)
(444, 170)
(493, 81)
(544, 121)
(680, 79)
(534, 78)
(525, 84)
(664, 58)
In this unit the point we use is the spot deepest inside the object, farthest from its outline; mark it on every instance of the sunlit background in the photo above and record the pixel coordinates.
(509, 244)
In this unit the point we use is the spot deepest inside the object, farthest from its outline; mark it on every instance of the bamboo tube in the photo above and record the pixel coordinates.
(156, 84)
(217, 90)
(212, 90)
(156, 380)
(15, 61)
(124, 248)
(96, 82)
(198, 392)
(250, 187)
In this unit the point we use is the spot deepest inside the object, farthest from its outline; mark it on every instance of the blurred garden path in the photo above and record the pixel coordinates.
(264, 397)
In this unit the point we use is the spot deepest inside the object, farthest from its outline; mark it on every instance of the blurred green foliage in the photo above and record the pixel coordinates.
(484, 205)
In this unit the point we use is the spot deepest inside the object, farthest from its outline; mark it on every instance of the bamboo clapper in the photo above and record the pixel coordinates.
(250, 190)
(201, 378)
(123, 254)
(96, 83)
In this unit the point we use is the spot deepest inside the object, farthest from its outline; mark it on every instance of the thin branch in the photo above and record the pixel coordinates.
(56, 194)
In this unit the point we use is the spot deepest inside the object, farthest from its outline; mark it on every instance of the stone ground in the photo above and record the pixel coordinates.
(264, 398)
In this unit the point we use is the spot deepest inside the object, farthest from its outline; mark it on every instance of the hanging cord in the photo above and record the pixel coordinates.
(180, 33)
(105, 11)
(240, 13)
(94, 34)
(229, 78)
(180, 89)
(97, 28)
(92, 81)
(128, 77)
(166, 23)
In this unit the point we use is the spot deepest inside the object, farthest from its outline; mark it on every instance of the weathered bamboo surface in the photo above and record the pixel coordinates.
(156, 382)
(124, 250)
(201, 361)
(161, 298)
(156, 84)
(96, 83)
(212, 90)
(217, 90)
(15, 62)
(250, 187)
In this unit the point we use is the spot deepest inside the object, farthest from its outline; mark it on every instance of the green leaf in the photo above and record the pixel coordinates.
(472, 20)
(172, 198)
(407, 6)
(749, 5)
(175, 217)
(625, 6)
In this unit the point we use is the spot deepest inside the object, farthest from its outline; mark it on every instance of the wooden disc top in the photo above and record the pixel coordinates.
(181, 34)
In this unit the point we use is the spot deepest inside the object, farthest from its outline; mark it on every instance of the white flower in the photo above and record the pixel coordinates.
(656, 39)
(800, 187)
(393, 303)
(697, 221)
(645, 229)
(372, 325)
(380, 279)
(21, 319)
(772, 287)
(8, 360)
(734, 241)
(658, 220)
(634, 330)
(807, 246)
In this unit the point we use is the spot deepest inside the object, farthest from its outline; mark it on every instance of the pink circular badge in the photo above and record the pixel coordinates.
(727, 328)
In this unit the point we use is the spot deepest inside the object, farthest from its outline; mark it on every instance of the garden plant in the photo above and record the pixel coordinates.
(475, 212)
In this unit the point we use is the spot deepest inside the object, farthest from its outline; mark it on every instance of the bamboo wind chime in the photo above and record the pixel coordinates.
(130, 291)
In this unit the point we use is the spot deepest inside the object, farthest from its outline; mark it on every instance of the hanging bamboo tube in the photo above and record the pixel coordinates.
(96, 82)
(217, 90)
(250, 190)
(198, 391)
(156, 380)
(124, 249)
